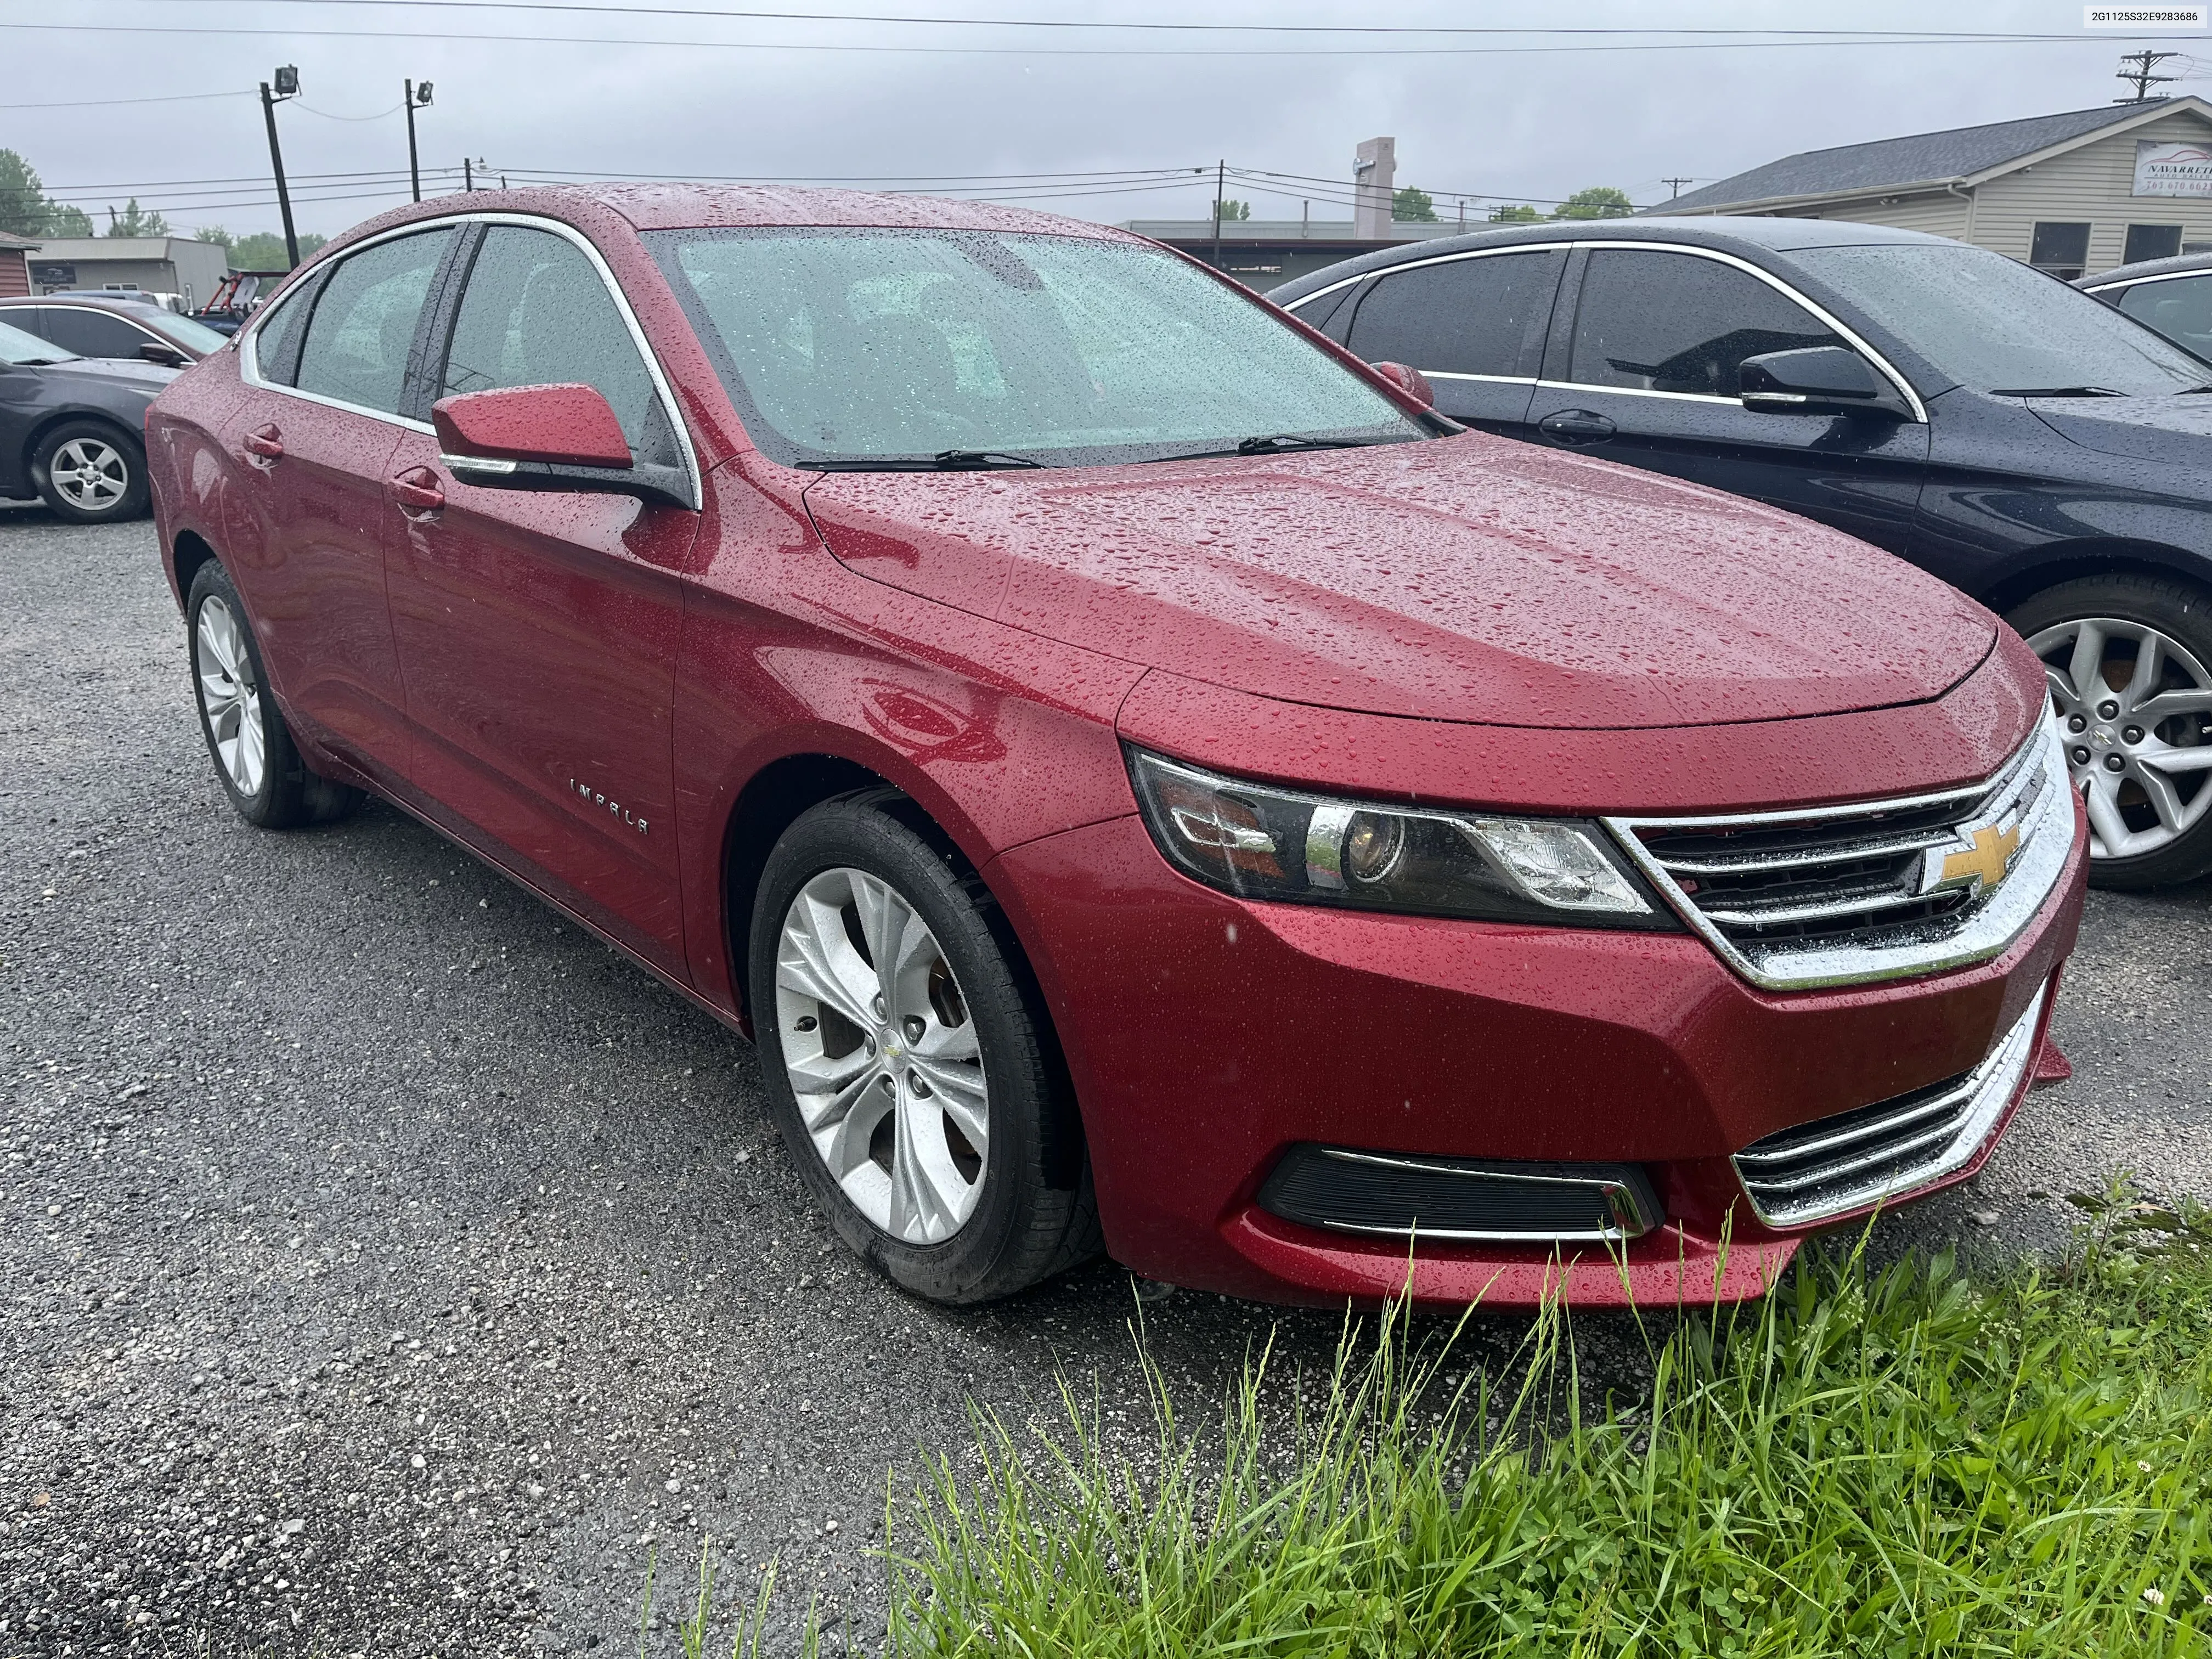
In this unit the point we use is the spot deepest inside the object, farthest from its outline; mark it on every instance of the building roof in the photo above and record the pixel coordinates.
(71, 248)
(1957, 156)
(9, 239)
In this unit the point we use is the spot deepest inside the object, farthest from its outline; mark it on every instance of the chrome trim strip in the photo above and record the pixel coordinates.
(1415, 264)
(1619, 1200)
(1989, 1088)
(250, 366)
(1840, 851)
(1940, 1105)
(2132, 282)
(1493, 379)
(1770, 915)
(2047, 841)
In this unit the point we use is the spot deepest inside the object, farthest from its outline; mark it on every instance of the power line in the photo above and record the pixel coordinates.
(111, 103)
(2144, 63)
(1340, 50)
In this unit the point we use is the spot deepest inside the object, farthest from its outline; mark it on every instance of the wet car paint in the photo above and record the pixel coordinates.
(986, 644)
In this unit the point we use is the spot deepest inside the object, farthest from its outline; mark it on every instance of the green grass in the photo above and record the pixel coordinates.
(1902, 1461)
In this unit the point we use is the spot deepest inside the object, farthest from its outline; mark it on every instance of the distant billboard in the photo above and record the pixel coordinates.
(2171, 169)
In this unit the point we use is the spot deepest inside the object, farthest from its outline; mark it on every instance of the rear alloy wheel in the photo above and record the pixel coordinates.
(255, 758)
(2126, 660)
(912, 1078)
(90, 473)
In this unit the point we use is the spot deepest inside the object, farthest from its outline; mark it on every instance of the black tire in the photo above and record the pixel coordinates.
(124, 460)
(1034, 1213)
(287, 795)
(2183, 613)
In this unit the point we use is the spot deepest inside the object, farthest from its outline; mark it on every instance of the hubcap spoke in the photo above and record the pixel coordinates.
(229, 700)
(893, 1096)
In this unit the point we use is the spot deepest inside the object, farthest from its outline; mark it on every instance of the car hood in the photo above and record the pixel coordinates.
(1471, 579)
(2172, 428)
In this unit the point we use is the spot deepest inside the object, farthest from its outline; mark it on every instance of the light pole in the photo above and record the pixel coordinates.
(288, 86)
(416, 98)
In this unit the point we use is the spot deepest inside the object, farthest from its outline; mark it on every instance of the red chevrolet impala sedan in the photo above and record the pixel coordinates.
(1145, 781)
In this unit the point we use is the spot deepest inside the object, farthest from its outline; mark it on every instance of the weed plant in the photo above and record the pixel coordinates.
(1902, 1460)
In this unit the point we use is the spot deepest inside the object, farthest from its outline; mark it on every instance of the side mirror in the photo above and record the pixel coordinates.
(1815, 380)
(1410, 381)
(168, 356)
(488, 437)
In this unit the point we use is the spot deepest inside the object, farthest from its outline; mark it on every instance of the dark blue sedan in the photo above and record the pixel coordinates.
(2044, 451)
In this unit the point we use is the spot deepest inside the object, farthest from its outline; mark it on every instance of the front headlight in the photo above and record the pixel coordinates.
(1262, 842)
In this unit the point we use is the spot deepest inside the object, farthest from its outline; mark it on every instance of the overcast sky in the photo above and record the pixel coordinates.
(1528, 124)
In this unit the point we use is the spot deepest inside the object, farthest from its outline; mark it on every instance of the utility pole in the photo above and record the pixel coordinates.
(288, 86)
(1674, 186)
(2144, 63)
(468, 174)
(416, 98)
(1220, 184)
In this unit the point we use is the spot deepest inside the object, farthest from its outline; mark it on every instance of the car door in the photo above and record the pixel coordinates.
(1473, 322)
(324, 377)
(1641, 367)
(538, 631)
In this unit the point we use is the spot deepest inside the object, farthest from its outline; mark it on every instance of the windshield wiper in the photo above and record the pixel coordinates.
(1276, 443)
(946, 461)
(2057, 392)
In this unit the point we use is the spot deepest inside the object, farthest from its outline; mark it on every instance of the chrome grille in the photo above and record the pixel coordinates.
(1839, 895)
(1836, 1164)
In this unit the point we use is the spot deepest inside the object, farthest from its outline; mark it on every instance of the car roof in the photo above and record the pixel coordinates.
(2171, 265)
(76, 297)
(687, 206)
(1768, 235)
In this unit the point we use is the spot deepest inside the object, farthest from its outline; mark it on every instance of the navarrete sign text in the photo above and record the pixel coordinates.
(2171, 169)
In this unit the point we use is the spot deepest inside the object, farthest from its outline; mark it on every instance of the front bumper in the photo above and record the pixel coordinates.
(1207, 1035)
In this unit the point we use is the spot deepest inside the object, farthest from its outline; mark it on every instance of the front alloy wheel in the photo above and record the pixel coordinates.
(882, 1055)
(92, 474)
(2130, 702)
(909, 1063)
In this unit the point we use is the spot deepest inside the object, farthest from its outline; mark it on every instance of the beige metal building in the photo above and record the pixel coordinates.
(2074, 193)
(147, 264)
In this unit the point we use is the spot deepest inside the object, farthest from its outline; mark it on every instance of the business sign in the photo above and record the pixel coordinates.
(2137, 18)
(54, 276)
(2171, 169)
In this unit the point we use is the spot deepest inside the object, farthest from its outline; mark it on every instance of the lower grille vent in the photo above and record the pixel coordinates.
(1405, 1196)
(1836, 1164)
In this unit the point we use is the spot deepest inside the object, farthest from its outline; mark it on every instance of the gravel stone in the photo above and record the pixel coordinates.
(390, 1268)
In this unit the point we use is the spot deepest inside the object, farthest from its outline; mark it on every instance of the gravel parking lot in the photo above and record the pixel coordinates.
(390, 1268)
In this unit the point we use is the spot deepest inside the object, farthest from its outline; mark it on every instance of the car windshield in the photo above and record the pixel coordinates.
(187, 332)
(1997, 326)
(17, 347)
(848, 348)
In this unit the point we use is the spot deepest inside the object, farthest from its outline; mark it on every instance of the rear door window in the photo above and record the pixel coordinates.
(537, 312)
(1483, 316)
(2180, 308)
(1673, 322)
(92, 333)
(364, 322)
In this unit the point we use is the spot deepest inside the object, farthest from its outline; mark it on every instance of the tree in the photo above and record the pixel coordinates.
(263, 250)
(1517, 213)
(1228, 208)
(1598, 202)
(1415, 207)
(26, 210)
(135, 221)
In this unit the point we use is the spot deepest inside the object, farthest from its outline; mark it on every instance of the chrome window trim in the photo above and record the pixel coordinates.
(1858, 342)
(1988, 1089)
(1488, 379)
(1416, 264)
(2047, 842)
(2145, 281)
(250, 364)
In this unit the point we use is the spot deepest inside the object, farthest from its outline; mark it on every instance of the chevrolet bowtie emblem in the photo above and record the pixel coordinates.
(1988, 862)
